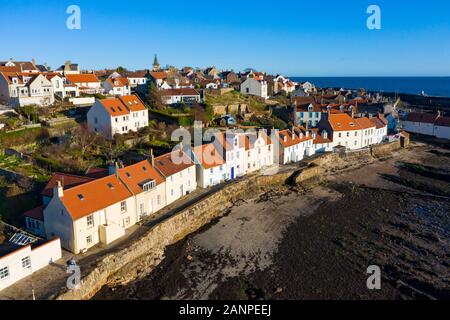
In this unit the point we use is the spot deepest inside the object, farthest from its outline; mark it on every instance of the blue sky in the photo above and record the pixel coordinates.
(296, 38)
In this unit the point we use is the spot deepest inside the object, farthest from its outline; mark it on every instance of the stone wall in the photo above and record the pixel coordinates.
(383, 150)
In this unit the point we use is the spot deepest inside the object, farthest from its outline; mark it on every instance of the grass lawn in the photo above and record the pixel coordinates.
(15, 164)
(234, 97)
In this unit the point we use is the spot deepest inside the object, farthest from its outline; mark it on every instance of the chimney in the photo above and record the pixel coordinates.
(152, 158)
(58, 190)
(33, 62)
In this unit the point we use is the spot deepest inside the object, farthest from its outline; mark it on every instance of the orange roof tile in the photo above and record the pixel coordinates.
(343, 122)
(137, 174)
(115, 107)
(67, 180)
(118, 82)
(159, 75)
(93, 196)
(287, 139)
(208, 156)
(168, 163)
(133, 103)
(82, 78)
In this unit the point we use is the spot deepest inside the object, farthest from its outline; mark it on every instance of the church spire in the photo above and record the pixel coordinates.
(156, 65)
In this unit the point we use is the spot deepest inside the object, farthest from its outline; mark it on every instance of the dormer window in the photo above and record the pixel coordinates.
(147, 186)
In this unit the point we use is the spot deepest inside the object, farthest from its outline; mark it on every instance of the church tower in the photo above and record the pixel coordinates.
(156, 66)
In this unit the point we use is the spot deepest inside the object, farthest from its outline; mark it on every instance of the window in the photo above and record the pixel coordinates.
(90, 221)
(127, 221)
(171, 192)
(26, 263)
(95, 120)
(89, 240)
(4, 273)
(340, 135)
(149, 186)
(123, 206)
(142, 209)
(348, 134)
(158, 199)
(356, 133)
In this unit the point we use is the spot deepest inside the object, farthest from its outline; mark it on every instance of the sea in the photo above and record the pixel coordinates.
(432, 86)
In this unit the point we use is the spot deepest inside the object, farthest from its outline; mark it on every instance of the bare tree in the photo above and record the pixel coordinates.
(83, 138)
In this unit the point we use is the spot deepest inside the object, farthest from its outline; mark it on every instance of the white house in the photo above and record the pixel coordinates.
(61, 88)
(180, 95)
(294, 144)
(20, 262)
(117, 86)
(147, 184)
(179, 171)
(87, 83)
(322, 141)
(117, 115)
(95, 212)
(258, 151)
(255, 87)
(381, 128)
(210, 166)
(352, 133)
(231, 148)
(136, 79)
(442, 128)
(20, 89)
(428, 124)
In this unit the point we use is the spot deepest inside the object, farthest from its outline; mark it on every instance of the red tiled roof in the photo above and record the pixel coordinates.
(421, 117)
(158, 75)
(173, 162)
(290, 137)
(133, 176)
(118, 82)
(67, 180)
(36, 213)
(82, 78)
(343, 122)
(93, 196)
(208, 156)
(443, 121)
(97, 173)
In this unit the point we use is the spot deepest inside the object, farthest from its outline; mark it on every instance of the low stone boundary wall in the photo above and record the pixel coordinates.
(382, 150)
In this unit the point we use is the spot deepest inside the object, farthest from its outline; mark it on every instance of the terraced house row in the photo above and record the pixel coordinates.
(83, 211)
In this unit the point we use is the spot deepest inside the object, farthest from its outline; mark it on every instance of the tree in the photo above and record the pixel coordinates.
(153, 97)
(29, 111)
(83, 138)
(121, 70)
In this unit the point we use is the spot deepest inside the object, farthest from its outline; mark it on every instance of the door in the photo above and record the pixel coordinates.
(232, 173)
(150, 206)
(181, 191)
